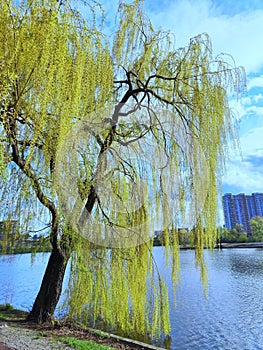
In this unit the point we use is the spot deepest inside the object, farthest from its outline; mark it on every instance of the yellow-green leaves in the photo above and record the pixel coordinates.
(135, 135)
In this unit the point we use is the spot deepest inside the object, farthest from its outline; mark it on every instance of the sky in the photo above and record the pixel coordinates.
(236, 28)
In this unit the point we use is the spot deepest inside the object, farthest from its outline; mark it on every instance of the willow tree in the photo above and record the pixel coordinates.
(105, 143)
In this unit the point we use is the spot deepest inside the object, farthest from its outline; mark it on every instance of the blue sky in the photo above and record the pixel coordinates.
(236, 28)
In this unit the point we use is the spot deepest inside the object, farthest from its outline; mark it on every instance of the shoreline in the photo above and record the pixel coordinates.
(240, 245)
(233, 245)
(17, 334)
(222, 245)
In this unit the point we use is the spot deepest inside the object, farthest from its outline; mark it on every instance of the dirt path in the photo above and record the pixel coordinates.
(27, 339)
(16, 334)
(4, 347)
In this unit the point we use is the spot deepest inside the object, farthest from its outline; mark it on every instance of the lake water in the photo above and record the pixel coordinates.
(230, 317)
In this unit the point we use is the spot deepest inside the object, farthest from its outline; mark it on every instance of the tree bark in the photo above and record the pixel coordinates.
(51, 288)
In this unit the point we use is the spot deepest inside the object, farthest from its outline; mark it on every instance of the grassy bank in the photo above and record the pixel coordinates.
(24, 250)
(17, 318)
(67, 332)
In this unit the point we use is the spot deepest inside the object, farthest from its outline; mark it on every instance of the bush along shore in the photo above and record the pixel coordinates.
(16, 333)
(220, 245)
(240, 245)
(25, 245)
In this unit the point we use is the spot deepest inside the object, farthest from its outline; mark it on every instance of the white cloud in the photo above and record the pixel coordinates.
(255, 110)
(251, 143)
(244, 110)
(252, 99)
(239, 35)
(243, 176)
(258, 98)
(246, 173)
(239, 108)
(255, 82)
(248, 107)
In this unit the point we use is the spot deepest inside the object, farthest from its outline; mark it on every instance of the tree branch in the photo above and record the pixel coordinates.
(10, 128)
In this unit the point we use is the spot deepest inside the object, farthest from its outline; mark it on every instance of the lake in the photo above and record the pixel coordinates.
(230, 317)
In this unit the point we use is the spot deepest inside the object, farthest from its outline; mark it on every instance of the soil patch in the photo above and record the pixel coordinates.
(68, 329)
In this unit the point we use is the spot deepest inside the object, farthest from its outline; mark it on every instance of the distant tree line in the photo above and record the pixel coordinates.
(239, 235)
(13, 242)
(186, 238)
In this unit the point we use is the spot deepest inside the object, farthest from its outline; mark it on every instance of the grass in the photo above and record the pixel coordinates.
(9, 313)
(40, 335)
(84, 344)
(6, 307)
(102, 334)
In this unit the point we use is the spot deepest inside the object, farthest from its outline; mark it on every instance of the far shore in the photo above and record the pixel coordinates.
(240, 245)
(222, 245)
(234, 245)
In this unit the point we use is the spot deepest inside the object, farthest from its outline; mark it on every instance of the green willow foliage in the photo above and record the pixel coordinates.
(170, 105)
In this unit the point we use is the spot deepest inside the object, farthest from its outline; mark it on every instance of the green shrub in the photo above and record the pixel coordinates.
(84, 344)
(6, 307)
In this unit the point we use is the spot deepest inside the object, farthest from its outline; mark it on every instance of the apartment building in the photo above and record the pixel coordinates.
(240, 208)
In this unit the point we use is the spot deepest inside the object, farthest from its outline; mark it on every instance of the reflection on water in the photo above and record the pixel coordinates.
(230, 317)
(243, 263)
(20, 278)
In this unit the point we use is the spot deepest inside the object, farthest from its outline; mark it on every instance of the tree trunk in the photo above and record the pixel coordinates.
(51, 287)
